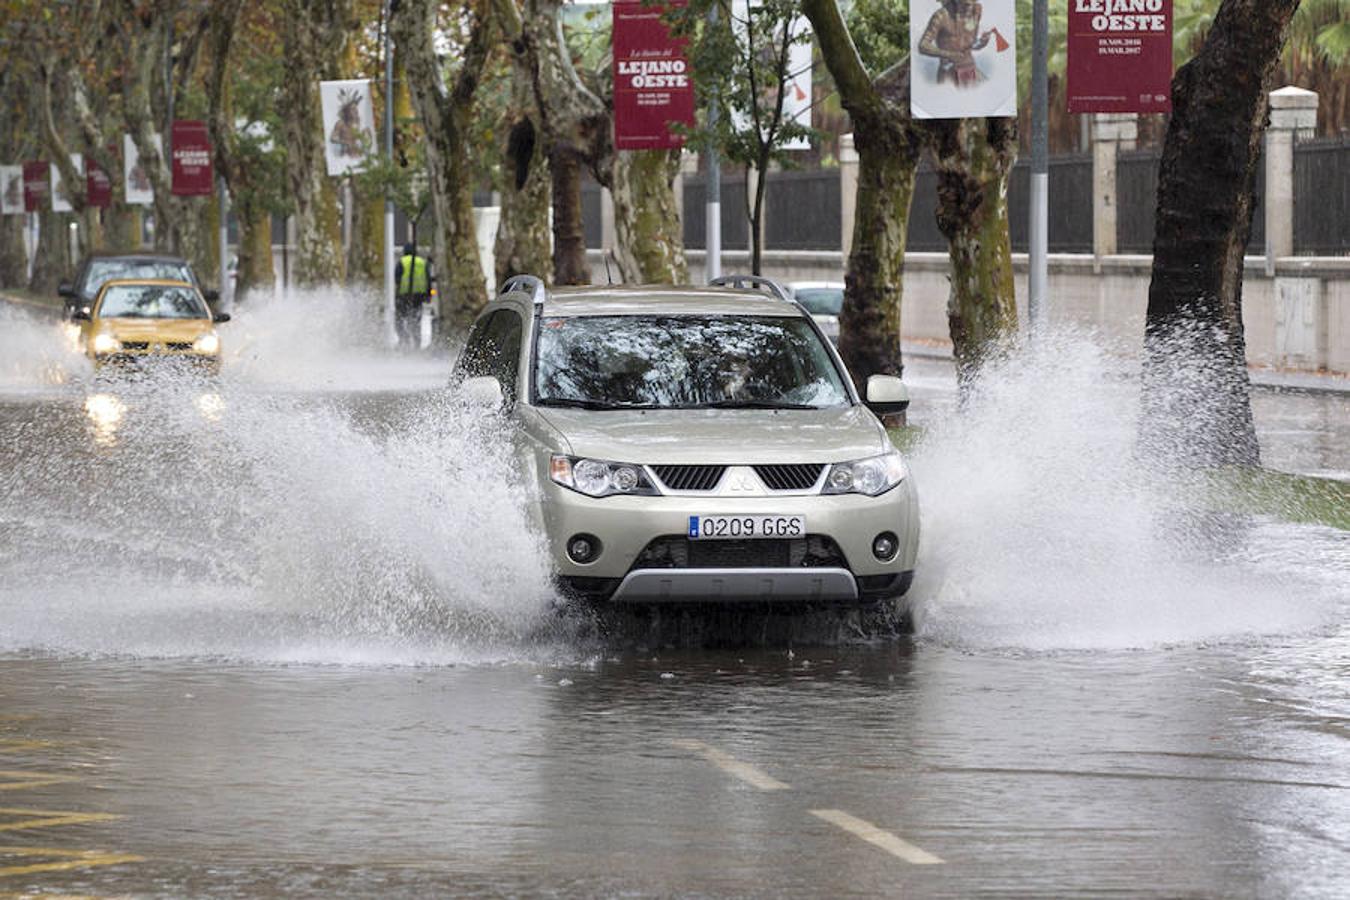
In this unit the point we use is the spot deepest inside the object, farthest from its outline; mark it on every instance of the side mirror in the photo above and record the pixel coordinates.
(211, 296)
(80, 315)
(483, 392)
(220, 317)
(66, 289)
(887, 395)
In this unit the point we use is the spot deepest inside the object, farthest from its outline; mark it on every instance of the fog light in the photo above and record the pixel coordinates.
(884, 546)
(583, 548)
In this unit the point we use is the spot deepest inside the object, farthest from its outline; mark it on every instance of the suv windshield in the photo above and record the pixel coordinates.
(151, 301)
(102, 271)
(685, 362)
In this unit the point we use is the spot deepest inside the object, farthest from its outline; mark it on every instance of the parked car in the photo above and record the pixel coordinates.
(696, 445)
(823, 300)
(134, 321)
(100, 268)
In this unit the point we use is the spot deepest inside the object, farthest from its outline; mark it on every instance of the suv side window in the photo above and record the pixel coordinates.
(493, 349)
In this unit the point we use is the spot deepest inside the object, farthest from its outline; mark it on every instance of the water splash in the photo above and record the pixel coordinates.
(1046, 526)
(37, 352)
(192, 519)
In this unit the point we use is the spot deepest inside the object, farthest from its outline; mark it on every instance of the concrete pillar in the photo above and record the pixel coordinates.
(688, 166)
(608, 240)
(1301, 332)
(1111, 133)
(1293, 113)
(848, 191)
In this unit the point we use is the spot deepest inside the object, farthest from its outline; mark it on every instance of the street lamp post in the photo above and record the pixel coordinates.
(1040, 166)
(389, 156)
(712, 214)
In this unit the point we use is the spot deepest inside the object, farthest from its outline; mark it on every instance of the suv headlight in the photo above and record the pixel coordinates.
(208, 343)
(872, 476)
(599, 478)
(106, 343)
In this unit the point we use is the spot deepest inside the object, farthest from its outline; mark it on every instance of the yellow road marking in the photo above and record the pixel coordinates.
(47, 818)
(732, 766)
(65, 859)
(877, 837)
(17, 779)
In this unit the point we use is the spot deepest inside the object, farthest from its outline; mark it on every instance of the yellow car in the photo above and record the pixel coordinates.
(135, 320)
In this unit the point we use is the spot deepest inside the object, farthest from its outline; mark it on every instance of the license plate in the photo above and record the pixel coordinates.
(742, 527)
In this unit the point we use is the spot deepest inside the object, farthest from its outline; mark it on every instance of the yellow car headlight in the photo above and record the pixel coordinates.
(207, 343)
(106, 343)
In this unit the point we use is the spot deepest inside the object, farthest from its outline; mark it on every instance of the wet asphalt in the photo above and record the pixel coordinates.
(192, 704)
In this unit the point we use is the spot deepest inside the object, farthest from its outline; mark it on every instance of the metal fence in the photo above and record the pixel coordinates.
(1322, 197)
(1137, 199)
(735, 229)
(803, 209)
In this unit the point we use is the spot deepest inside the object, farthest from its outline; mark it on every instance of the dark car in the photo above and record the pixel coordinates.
(100, 268)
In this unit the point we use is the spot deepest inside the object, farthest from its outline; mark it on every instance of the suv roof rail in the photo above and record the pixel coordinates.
(528, 284)
(752, 282)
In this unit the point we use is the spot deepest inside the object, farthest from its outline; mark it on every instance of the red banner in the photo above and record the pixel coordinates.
(1120, 56)
(191, 159)
(98, 186)
(653, 87)
(36, 185)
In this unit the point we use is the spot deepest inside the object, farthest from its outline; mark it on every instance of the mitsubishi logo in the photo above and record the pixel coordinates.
(741, 481)
(741, 484)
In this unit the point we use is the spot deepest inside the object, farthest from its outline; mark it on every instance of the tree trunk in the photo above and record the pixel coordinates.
(869, 323)
(445, 114)
(522, 244)
(254, 271)
(13, 259)
(646, 220)
(888, 154)
(974, 158)
(569, 235)
(576, 125)
(314, 33)
(51, 261)
(1197, 408)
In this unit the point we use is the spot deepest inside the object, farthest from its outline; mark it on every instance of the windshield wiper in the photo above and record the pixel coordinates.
(749, 404)
(575, 403)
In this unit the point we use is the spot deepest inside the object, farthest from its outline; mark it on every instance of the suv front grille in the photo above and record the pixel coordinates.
(678, 552)
(689, 478)
(789, 477)
(135, 345)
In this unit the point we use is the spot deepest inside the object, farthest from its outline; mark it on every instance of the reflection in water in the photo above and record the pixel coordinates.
(210, 405)
(105, 412)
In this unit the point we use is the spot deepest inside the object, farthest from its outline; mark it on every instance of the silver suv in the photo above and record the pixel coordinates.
(696, 444)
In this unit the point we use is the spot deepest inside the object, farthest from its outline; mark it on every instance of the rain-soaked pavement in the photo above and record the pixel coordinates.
(286, 635)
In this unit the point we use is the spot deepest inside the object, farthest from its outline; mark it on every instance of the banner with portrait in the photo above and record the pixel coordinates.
(348, 124)
(11, 190)
(963, 59)
(61, 199)
(796, 84)
(138, 191)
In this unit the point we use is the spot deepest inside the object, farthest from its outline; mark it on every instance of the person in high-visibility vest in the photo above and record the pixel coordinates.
(413, 279)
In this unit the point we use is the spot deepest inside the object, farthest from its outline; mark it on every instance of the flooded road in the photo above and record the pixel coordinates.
(287, 634)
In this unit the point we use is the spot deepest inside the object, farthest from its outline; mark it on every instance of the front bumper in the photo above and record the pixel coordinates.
(134, 359)
(628, 528)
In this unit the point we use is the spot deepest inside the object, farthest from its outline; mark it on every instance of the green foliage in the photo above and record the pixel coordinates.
(880, 30)
(743, 64)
